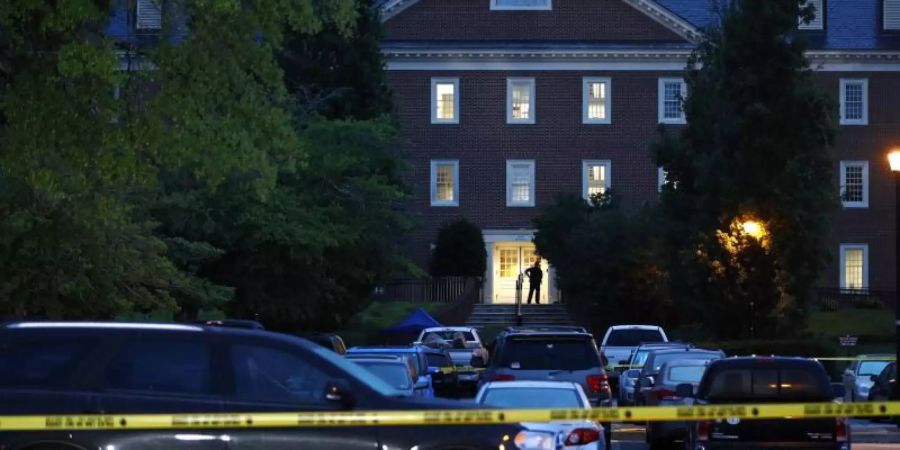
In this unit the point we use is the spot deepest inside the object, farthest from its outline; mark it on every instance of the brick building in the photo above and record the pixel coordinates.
(504, 104)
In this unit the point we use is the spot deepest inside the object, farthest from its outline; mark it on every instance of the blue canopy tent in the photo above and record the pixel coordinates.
(415, 322)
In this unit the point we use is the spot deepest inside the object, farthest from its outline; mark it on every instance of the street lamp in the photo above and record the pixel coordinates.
(757, 231)
(894, 160)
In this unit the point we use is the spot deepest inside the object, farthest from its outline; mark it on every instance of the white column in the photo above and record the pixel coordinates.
(488, 294)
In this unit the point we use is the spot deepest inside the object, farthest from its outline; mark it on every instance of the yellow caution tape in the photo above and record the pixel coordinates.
(446, 417)
(448, 370)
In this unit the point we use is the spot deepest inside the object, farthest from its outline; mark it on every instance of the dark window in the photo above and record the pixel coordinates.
(436, 360)
(658, 360)
(270, 375)
(767, 384)
(41, 363)
(170, 366)
(633, 338)
(546, 354)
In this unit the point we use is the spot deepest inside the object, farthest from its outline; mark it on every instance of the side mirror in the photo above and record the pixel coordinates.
(646, 382)
(422, 383)
(838, 390)
(685, 390)
(339, 392)
(477, 362)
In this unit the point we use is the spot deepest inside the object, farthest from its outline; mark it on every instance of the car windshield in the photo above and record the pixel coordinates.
(437, 360)
(359, 373)
(531, 398)
(767, 384)
(686, 374)
(662, 358)
(633, 338)
(449, 335)
(549, 354)
(869, 368)
(394, 374)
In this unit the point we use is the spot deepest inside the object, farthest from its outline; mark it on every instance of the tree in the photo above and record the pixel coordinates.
(459, 250)
(606, 261)
(756, 148)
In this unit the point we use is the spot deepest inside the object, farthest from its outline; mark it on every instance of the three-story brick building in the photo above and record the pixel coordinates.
(503, 104)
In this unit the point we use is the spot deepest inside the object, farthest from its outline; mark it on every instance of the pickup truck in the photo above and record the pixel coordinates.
(621, 340)
(471, 353)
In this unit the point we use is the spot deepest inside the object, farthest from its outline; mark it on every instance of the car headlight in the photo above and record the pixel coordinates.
(534, 440)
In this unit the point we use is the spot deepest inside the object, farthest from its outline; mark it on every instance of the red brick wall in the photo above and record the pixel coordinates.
(558, 142)
(569, 20)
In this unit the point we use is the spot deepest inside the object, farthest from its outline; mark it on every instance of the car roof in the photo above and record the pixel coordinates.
(426, 330)
(547, 328)
(531, 384)
(635, 327)
(686, 362)
(374, 349)
(669, 351)
(757, 361)
(664, 345)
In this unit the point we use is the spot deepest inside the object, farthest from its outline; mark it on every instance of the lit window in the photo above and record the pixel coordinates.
(521, 4)
(444, 100)
(672, 92)
(855, 184)
(854, 266)
(818, 20)
(594, 178)
(520, 100)
(520, 183)
(854, 102)
(509, 262)
(445, 183)
(596, 100)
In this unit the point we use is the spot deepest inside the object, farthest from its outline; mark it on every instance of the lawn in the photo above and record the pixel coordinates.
(365, 326)
(871, 325)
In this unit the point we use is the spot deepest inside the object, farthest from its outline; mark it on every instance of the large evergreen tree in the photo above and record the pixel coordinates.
(756, 148)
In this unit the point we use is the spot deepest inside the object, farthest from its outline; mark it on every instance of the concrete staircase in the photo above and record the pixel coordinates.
(504, 315)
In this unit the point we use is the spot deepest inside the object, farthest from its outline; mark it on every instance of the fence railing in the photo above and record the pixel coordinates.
(429, 290)
(834, 299)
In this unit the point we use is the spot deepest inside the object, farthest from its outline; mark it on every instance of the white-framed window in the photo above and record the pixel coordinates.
(148, 14)
(854, 102)
(519, 182)
(855, 184)
(854, 266)
(596, 100)
(520, 100)
(672, 92)
(595, 177)
(445, 182)
(891, 14)
(444, 100)
(537, 5)
(818, 21)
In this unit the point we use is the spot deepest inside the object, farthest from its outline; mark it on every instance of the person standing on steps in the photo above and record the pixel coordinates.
(535, 277)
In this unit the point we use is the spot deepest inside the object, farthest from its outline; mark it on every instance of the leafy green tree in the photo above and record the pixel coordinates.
(459, 250)
(606, 261)
(756, 148)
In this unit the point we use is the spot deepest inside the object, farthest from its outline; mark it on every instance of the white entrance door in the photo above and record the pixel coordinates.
(510, 260)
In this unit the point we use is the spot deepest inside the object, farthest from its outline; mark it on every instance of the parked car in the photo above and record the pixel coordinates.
(397, 371)
(539, 355)
(65, 368)
(662, 435)
(572, 434)
(765, 380)
(858, 376)
(470, 355)
(233, 323)
(620, 341)
(444, 378)
(629, 377)
(655, 360)
(883, 383)
(425, 373)
(330, 341)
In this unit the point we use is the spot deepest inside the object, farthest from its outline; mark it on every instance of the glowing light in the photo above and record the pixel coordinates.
(754, 229)
(894, 160)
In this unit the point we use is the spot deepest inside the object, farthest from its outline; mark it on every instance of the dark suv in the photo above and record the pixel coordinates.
(550, 354)
(124, 368)
(765, 380)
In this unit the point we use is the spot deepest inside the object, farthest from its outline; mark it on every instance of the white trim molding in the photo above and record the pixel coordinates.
(864, 165)
(547, 5)
(864, 85)
(531, 183)
(606, 175)
(435, 81)
(661, 101)
(454, 163)
(666, 18)
(532, 103)
(843, 265)
(586, 87)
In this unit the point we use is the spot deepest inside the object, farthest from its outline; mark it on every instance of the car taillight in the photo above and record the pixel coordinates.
(503, 378)
(840, 429)
(665, 394)
(582, 436)
(703, 429)
(597, 383)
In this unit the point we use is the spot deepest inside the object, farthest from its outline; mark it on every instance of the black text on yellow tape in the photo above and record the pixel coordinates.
(448, 417)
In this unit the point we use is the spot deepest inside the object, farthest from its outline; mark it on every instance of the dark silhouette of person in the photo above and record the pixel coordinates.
(535, 277)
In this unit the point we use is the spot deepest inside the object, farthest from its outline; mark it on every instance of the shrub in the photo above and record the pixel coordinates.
(459, 251)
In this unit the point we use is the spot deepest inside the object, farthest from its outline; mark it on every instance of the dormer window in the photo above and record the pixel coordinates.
(818, 20)
(891, 14)
(148, 15)
(538, 5)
